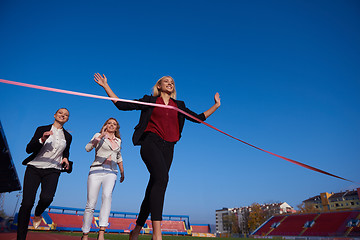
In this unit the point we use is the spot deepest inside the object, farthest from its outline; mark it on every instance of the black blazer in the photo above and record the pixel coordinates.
(146, 114)
(34, 146)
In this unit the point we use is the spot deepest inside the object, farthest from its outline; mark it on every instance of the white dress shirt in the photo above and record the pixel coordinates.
(51, 153)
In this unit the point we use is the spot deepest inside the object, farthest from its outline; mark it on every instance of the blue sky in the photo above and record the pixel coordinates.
(287, 72)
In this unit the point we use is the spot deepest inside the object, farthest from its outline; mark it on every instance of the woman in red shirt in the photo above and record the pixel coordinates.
(157, 132)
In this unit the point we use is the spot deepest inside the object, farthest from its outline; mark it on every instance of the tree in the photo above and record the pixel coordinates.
(234, 223)
(306, 208)
(243, 220)
(231, 223)
(256, 216)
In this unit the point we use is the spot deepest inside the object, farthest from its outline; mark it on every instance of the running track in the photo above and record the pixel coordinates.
(39, 236)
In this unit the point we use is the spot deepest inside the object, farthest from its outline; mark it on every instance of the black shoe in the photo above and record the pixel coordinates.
(84, 234)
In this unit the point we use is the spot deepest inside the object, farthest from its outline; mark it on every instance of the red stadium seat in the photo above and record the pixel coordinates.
(266, 228)
(126, 224)
(322, 224)
(67, 220)
(200, 228)
(293, 225)
(329, 224)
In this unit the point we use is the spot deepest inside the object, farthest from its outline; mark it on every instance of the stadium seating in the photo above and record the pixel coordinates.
(329, 224)
(71, 219)
(67, 222)
(200, 228)
(9, 180)
(266, 228)
(293, 225)
(171, 227)
(354, 231)
(322, 224)
(124, 224)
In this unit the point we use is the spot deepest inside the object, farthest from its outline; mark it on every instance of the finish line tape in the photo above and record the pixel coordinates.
(170, 107)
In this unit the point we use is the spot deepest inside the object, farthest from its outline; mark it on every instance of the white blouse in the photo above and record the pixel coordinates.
(105, 151)
(51, 153)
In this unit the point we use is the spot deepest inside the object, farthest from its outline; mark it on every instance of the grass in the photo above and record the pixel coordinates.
(116, 236)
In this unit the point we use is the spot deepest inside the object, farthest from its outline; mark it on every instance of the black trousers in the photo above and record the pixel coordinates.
(48, 178)
(157, 155)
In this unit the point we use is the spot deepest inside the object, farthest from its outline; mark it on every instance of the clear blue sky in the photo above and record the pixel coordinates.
(287, 71)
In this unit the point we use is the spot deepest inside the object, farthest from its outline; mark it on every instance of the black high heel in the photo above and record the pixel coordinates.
(84, 234)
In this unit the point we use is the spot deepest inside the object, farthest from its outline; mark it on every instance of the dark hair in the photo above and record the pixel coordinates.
(63, 108)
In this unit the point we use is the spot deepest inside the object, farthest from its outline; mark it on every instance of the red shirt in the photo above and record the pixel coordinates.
(164, 122)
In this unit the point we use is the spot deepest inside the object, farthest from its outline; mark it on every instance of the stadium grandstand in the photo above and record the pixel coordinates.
(70, 219)
(322, 224)
(201, 230)
(9, 180)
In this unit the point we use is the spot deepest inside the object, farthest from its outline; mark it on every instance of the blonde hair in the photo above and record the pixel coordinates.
(156, 91)
(117, 132)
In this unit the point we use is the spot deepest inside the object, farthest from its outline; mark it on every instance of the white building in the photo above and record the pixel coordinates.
(242, 214)
(220, 217)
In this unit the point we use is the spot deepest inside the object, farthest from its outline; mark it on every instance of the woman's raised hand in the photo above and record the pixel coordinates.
(217, 99)
(217, 104)
(103, 132)
(101, 80)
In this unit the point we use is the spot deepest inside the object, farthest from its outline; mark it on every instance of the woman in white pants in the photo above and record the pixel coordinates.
(103, 172)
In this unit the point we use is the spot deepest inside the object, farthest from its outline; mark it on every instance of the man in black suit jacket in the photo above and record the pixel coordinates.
(49, 148)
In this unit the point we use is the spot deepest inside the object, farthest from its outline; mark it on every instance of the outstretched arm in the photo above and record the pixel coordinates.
(214, 107)
(121, 105)
(102, 81)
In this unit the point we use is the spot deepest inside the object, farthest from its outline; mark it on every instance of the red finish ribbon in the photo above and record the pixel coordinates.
(170, 107)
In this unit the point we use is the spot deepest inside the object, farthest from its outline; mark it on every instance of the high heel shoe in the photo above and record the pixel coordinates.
(84, 234)
(101, 230)
(37, 221)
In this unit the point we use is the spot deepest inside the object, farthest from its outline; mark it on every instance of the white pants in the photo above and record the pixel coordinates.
(99, 176)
